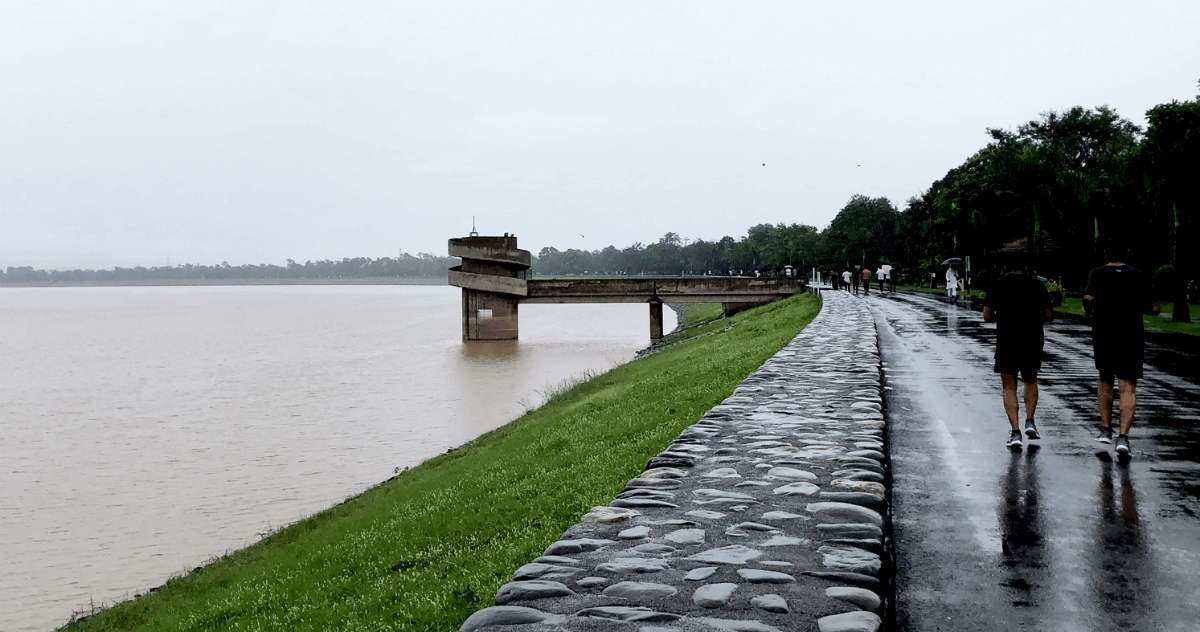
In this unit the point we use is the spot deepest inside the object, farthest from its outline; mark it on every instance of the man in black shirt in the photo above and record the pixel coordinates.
(1115, 299)
(1018, 304)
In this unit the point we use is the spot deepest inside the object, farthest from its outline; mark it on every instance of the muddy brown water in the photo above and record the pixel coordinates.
(145, 430)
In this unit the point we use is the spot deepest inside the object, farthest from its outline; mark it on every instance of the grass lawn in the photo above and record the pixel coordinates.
(697, 313)
(428, 547)
(1074, 305)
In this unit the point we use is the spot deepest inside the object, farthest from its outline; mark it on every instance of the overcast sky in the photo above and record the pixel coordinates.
(139, 132)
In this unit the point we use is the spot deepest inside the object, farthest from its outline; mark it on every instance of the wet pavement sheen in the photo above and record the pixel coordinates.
(1058, 537)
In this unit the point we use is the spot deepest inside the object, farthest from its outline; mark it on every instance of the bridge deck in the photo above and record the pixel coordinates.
(666, 289)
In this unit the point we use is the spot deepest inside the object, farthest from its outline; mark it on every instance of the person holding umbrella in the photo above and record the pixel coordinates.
(952, 279)
(891, 277)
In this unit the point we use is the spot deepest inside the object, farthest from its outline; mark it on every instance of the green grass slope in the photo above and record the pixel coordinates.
(425, 549)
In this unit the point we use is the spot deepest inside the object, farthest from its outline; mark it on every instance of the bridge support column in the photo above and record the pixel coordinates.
(488, 316)
(656, 326)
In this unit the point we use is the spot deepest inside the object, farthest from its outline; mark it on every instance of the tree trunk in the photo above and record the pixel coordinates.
(1181, 312)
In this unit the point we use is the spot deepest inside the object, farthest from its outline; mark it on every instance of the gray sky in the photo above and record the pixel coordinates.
(137, 132)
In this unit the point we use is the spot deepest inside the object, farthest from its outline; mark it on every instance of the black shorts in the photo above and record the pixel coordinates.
(1119, 358)
(1025, 362)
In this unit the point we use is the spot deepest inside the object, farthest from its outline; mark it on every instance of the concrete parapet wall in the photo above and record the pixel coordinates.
(769, 514)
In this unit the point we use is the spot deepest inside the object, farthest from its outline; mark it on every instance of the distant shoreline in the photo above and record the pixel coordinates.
(218, 282)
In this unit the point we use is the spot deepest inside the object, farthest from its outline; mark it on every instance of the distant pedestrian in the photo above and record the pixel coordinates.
(880, 276)
(1116, 296)
(891, 275)
(952, 285)
(866, 281)
(1018, 304)
(835, 280)
(846, 281)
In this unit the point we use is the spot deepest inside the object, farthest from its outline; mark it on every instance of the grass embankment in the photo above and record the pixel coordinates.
(699, 313)
(1073, 305)
(425, 549)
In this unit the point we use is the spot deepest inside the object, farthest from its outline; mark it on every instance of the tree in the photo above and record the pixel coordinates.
(1170, 159)
(862, 231)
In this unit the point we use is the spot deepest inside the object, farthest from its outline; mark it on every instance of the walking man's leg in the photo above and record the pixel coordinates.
(1031, 400)
(1009, 383)
(1104, 396)
(1011, 408)
(1128, 403)
(1128, 408)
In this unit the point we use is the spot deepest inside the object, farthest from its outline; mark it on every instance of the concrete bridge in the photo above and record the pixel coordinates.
(493, 277)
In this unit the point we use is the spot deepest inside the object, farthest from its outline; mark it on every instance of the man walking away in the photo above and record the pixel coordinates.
(1018, 304)
(866, 281)
(882, 277)
(892, 280)
(846, 282)
(1115, 298)
(952, 285)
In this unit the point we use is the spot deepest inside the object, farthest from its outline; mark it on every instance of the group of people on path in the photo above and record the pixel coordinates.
(1114, 300)
(851, 279)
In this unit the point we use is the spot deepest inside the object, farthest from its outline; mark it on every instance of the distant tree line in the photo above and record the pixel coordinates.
(403, 266)
(765, 247)
(1062, 192)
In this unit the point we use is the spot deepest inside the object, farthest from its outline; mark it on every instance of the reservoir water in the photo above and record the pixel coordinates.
(145, 430)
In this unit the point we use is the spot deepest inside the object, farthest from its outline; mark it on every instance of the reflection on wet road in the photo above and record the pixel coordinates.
(1062, 537)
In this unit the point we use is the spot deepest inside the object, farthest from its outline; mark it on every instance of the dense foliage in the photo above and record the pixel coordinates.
(765, 247)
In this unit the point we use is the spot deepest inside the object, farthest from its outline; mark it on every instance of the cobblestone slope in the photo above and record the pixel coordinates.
(767, 514)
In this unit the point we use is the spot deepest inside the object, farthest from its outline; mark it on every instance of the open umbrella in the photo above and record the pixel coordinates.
(887, 267)
(953, 261)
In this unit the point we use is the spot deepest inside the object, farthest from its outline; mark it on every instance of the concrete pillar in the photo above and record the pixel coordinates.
(491, 282)
(656, 327)
(489, 316)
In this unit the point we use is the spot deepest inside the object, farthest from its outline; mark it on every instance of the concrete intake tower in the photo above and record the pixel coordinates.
(494, 281)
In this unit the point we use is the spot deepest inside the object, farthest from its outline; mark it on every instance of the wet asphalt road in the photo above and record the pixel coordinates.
(1063, 537)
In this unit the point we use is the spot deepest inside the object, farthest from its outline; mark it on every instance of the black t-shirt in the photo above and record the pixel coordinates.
(1121, 294)
(1019, 305)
